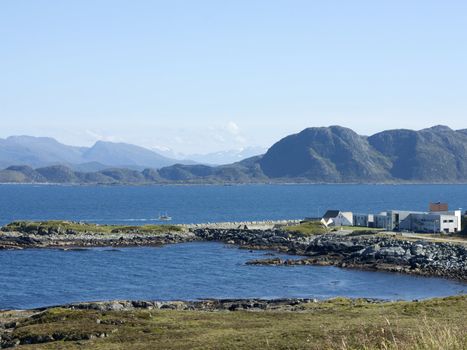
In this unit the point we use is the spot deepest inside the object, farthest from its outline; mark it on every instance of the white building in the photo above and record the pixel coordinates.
(446, 222)
(426, 222)
(337, 218)
(433, 221)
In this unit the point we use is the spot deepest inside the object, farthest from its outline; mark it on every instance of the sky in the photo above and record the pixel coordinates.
(200, 76)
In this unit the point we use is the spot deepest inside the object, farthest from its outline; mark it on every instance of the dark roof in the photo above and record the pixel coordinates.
(331, 214)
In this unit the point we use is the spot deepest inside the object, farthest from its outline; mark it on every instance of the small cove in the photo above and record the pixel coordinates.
(42, 277)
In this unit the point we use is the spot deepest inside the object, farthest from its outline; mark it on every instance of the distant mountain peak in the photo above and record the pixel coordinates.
(440, 128)
(46, 151)
(35, 139)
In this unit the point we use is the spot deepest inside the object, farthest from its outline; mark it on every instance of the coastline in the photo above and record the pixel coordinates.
(208, 323)
(359, 250)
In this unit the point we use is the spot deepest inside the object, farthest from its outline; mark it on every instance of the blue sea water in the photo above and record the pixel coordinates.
(33, 278)
(201, 204)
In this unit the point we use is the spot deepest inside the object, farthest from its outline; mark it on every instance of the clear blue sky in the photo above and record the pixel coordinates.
(197, 76)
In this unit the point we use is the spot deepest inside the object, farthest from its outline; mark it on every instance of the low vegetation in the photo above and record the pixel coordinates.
(61, 227)
(336, 324)
(308, 228)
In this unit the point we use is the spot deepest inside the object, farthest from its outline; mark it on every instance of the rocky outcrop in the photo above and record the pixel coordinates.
(68, 240)
(369, 251)
(258, 239)
(289, 304)
(395, 254)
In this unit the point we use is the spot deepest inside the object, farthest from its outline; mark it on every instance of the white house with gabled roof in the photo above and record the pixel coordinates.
(337, 218)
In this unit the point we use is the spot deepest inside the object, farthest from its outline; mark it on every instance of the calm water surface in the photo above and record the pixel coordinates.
(200, 204)
(33, 278)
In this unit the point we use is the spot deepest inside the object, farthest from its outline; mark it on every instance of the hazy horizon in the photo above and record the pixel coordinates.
(202, 77)
(174, 153)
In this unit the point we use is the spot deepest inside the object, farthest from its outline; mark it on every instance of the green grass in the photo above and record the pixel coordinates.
(337, 324)
(68, 226)
(356, 228)
(308, 228)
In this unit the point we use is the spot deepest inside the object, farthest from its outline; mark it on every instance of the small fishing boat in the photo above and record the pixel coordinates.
(164, 217)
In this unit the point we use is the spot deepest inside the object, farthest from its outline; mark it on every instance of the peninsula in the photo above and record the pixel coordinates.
(361, 248)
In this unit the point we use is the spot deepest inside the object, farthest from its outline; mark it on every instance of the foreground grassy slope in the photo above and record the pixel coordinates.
(336, 324)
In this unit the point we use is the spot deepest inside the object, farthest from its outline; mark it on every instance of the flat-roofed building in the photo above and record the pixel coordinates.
(434, 221)
(363, 220)
(382, 220)
(431, 222)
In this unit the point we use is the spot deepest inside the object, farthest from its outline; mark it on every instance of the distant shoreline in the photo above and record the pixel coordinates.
(71, 184)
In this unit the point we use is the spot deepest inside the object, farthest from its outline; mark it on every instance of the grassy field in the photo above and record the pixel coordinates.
(64, 226)
(357, 228)
(458, 237)
(337, 324)
(308, 228)
(311, 228)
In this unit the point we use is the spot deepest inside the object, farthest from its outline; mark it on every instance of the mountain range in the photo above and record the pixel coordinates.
(45, 151)
(315, 155)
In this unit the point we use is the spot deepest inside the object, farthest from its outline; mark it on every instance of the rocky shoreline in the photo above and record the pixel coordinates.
(15, 240)
(357, 250)
(366, 251)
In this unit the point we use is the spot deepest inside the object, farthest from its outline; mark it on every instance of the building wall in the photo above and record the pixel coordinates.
(343, 219)
(398, 219)
(450, 223)
(430, 223)
(422, 223)
(362, 220)
(382, 221)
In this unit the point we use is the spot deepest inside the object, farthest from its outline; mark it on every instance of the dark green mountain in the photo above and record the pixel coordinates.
(59, 174)
(437, 154)
(333, 154)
